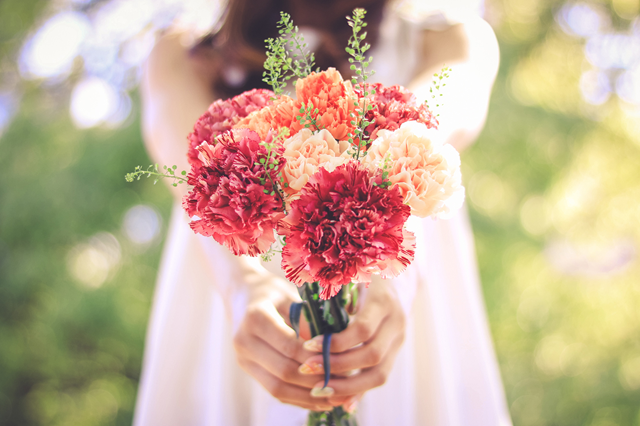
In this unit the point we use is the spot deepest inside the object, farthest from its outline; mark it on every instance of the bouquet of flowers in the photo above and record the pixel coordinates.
(328, 178)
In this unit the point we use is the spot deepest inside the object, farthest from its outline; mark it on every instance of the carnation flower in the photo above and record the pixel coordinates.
(281, 113)
(328, 93)
(344, 228)
(305, 152)
(333, 97)
(421, 166)
(398, 93)
(393, 106)
(232, 193)
(222, 115)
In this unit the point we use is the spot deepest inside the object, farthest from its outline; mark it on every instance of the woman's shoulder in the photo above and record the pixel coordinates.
(436, 14)
(171, 64)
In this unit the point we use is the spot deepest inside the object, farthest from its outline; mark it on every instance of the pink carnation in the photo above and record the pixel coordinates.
(393, 93)
(343, 228)
(231, 194)
(222, 115)
(393, 106)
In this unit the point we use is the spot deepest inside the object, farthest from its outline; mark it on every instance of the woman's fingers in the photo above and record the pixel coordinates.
(366, 380)
(360, 330)
(265, 322)
(379, 301)
(284, 392)
(260, 352)
(370, 354)
(348, 403)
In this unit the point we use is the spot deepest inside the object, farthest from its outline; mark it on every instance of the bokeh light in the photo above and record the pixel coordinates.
(583, 19)
(141, 224)
(52, 49)
(628, 86)
(93, 101)
(7, 109)
(90, 263)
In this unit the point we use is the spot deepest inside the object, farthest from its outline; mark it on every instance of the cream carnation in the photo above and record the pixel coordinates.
(306, 152)
(426, 170)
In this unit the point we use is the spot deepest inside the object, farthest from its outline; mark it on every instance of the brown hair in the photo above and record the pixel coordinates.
(239, 44)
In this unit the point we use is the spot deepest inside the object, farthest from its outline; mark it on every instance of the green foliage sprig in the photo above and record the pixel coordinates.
(272, 161)
(287, 56)
(152, 170)
(386, 166)
(274, 248)
(439, 81)
(275, 65)
(359, 63)
(308, 117)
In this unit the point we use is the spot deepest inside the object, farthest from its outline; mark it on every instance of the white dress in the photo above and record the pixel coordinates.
(446, 372)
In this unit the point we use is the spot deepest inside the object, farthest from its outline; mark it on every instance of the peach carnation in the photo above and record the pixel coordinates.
(426, 170)
(281, 113)
(306, 152)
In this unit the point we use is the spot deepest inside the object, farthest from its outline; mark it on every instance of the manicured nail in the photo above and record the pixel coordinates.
(322, 392)
(311, 367)
(351, 406)
(313, 345)
(352, 372)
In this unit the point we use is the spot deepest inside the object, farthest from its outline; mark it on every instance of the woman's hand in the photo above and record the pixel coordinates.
(267, 348)
(365, 352)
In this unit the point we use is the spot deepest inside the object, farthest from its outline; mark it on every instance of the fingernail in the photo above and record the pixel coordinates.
(312, 367)
(322, 392)
(325, 408)
(313, 345)
(352, 372)
(351, 406)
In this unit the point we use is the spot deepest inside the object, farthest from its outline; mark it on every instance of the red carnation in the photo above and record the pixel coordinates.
(222, 115)
(343, 228)
(231, 193)
(393, 106)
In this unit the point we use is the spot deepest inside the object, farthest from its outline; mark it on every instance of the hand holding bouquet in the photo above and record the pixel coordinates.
(328, 178)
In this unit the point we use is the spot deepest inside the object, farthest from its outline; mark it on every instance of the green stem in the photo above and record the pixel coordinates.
(318, 322)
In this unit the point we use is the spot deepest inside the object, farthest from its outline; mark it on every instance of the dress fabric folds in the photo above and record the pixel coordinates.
(445, 373)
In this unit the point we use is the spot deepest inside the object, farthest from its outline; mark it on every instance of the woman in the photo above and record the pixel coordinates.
(419, 349)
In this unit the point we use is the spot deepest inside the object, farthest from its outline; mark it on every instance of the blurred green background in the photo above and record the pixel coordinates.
(553, 187)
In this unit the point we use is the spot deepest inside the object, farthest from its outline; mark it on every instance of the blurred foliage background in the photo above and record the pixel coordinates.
(553, 187)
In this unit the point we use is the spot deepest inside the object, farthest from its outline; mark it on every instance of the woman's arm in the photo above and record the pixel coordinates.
(175, 92)
(471, 51)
